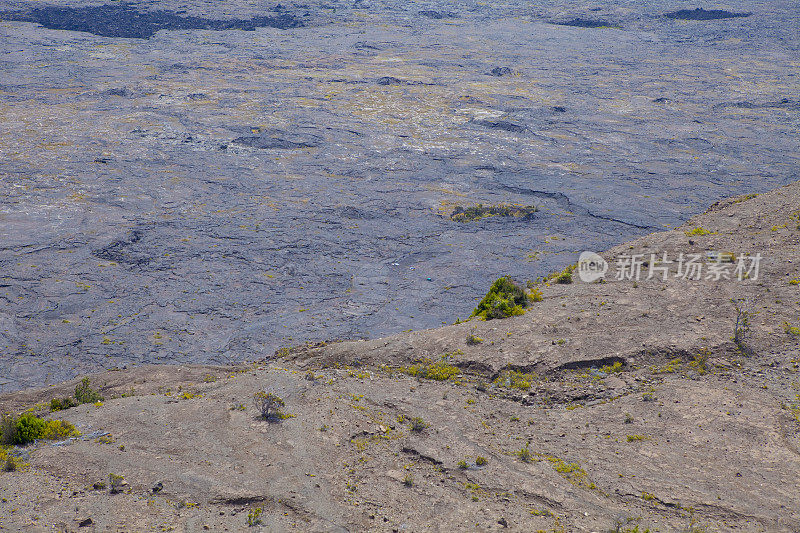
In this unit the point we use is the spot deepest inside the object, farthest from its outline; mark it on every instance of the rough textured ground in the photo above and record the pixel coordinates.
(204, 196)
(686, 434)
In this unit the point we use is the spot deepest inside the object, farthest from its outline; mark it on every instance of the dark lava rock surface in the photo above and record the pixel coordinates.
(206, 194)
(586, 23)
(125, 20)
(704, 14)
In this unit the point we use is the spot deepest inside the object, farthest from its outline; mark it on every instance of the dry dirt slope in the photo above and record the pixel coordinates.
(641, 411)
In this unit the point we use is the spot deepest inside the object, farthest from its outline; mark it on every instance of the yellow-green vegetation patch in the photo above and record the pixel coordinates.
(480, 211)
(698, 364)
(572, 472)
(614, 368)
(791, 330)
(440, 370)
(535, 295)
(515, 379)
(635, 438)
(473, 340)
(670, 368)
(698, 232)
(9, 462)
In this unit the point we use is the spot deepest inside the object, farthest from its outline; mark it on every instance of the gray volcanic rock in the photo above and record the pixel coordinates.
(208, 194)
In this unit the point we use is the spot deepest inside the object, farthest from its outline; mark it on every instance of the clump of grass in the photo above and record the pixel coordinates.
(481, 461)
(408, 481)
(84, 393)
(462, 464)
(697, 232)
(473, 340)
(525, 455)
(635, 438)
(418, 424)
(504, 299)
(515, 379)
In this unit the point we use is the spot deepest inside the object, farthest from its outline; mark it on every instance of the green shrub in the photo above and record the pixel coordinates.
(116, 482)
(8, 429)
(504, 299)
(27, 428)
(481, 461)
(462, 464)
(58, 429)
(564, 277)
(59, 404)
(84, 393)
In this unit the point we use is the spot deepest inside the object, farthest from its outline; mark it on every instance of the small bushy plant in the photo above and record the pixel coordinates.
(27, 428)
(525, 455)
(268, 404)
(418, 424)
(84, 393)
(504, 299)
(59, 404)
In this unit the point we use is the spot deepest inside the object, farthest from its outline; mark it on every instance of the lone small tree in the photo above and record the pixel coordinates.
(741, 329)
(268, 404)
